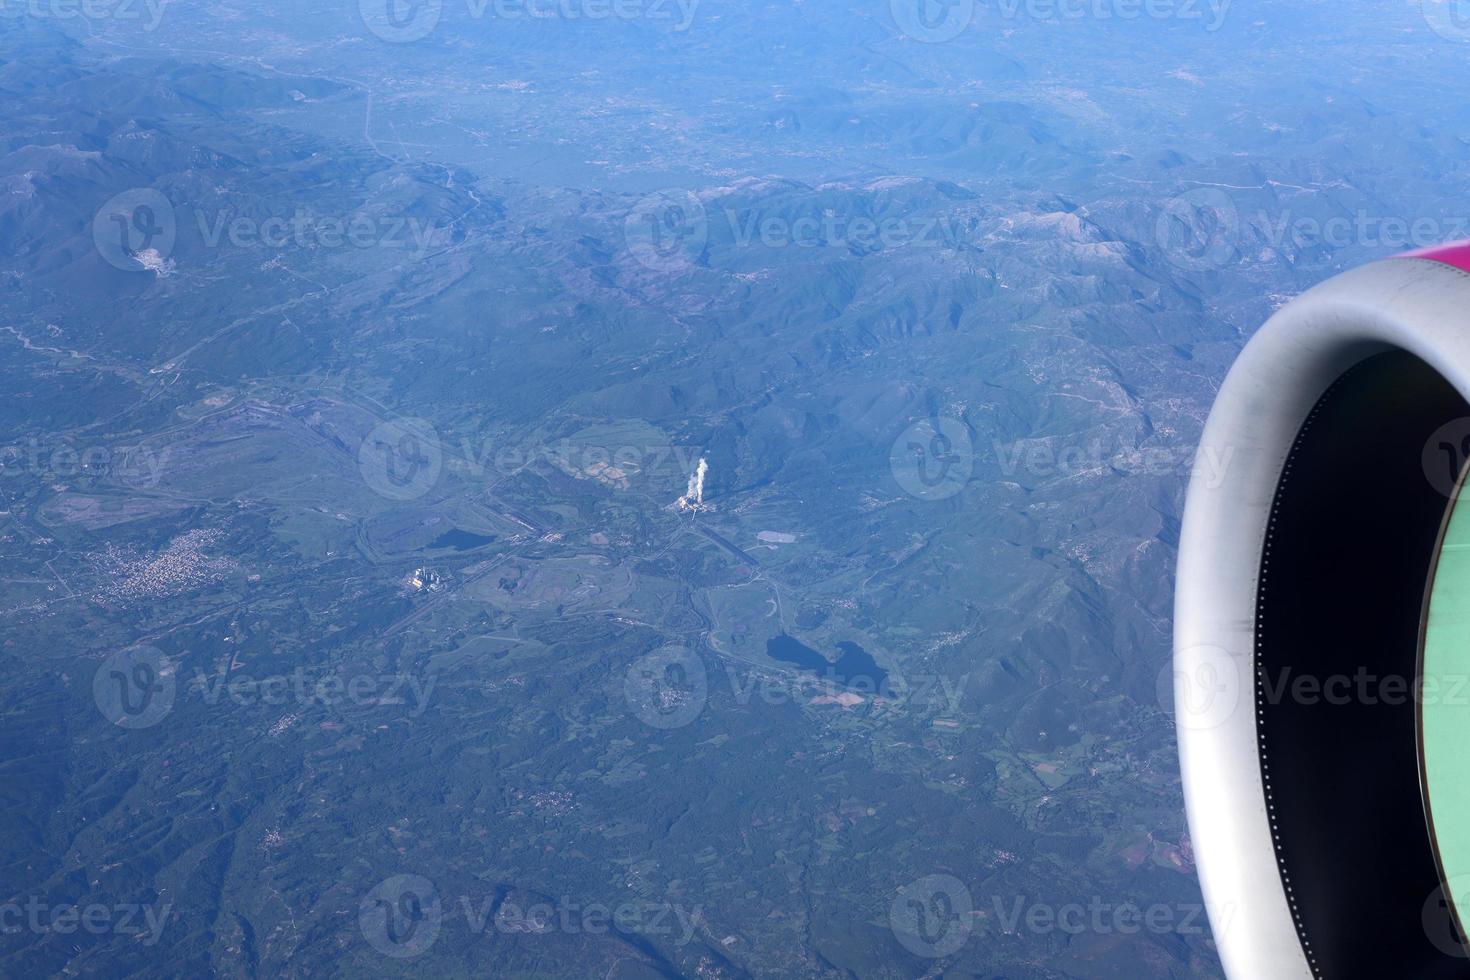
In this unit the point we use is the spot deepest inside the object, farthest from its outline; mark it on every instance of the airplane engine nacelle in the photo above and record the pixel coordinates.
(1322, 633)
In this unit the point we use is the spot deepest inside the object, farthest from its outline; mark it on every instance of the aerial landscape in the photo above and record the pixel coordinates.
(641, 488)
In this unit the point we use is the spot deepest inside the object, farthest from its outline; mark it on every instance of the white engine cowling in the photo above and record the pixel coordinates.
(1305, 565)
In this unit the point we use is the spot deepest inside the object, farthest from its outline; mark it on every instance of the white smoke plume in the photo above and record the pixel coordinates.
(693, 498)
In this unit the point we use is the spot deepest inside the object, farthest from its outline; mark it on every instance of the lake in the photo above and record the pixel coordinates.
(460, 540)
(855, 667)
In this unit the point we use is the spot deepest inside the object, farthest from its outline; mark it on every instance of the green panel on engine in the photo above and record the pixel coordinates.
(1444, 712)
